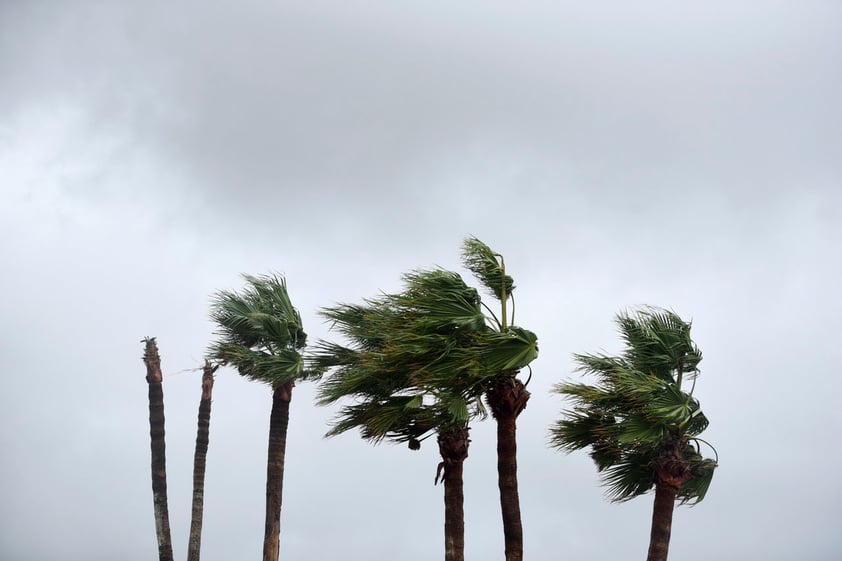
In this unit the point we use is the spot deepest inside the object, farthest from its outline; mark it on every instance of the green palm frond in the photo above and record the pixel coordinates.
(509, 350)
(600, 365)
(698, 422)
(363, 324)
(658, 341)
(582, 428)
(441, 301)
(629, 477)
(487, 266)
(694, 490)
(638, 430)
(400, 418)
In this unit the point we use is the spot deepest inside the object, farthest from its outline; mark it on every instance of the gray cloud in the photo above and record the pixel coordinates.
(686, 157)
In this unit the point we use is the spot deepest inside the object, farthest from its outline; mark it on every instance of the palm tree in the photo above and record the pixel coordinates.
(154, 378)
(393, 341)
(261, 335)
(508, 349)
(194, 543)
(640, 423)
(436, 339)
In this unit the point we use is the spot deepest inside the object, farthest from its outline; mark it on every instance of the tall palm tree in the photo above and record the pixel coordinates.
(194, 543)
(639, 420)
(154, 378)
(261, 335)
(508, 350)
(393, 340)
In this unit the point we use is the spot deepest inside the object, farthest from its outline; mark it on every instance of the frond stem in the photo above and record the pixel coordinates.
(693, 387)
(503, 295)
(528, 378)
(429, 434)
(679, 376)
(715, 453)
(490, 311)
(513, 309)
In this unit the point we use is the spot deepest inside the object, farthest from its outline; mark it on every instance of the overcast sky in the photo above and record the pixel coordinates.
(617, 154)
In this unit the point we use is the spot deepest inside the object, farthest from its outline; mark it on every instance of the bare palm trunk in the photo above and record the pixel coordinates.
(156, 433)
(194, 543)
(506, 399)
(279, 420)
(453, 447)
(659, 539)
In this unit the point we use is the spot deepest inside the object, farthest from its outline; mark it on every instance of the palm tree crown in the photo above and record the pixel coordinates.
(260, 332)
(403, 347)
(640, 423)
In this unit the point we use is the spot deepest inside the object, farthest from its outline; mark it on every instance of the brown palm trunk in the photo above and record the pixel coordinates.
(453, 447)
(506, 399)
(659, 539)
(154, 377)
(279, 420)
(194, 543)
(671, 472)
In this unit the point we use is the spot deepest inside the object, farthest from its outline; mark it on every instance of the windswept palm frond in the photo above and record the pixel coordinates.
(630, 476)
(488, 267)
(658, 341)
(260, 333)
(694, 490)
(440, 300)
(509, 350)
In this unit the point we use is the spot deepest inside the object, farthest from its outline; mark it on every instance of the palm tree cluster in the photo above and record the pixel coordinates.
(420, 361)
(430, 359)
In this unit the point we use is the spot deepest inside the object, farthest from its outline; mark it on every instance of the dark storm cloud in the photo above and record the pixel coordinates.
(310, 103)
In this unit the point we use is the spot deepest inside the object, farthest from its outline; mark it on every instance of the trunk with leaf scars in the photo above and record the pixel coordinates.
(194, 543)
(506, 399)
(453, 447)
(278, 422)
(671, 472)
(154, 377)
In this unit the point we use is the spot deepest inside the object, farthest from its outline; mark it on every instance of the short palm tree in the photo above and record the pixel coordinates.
(261, 335)
(200, 457)
(641, 424)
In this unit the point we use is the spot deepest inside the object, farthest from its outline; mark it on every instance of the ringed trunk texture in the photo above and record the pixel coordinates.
(659, 539)
(506, 399)
(154, 377)
(453, 447)
(194, 543)
(278, 422)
